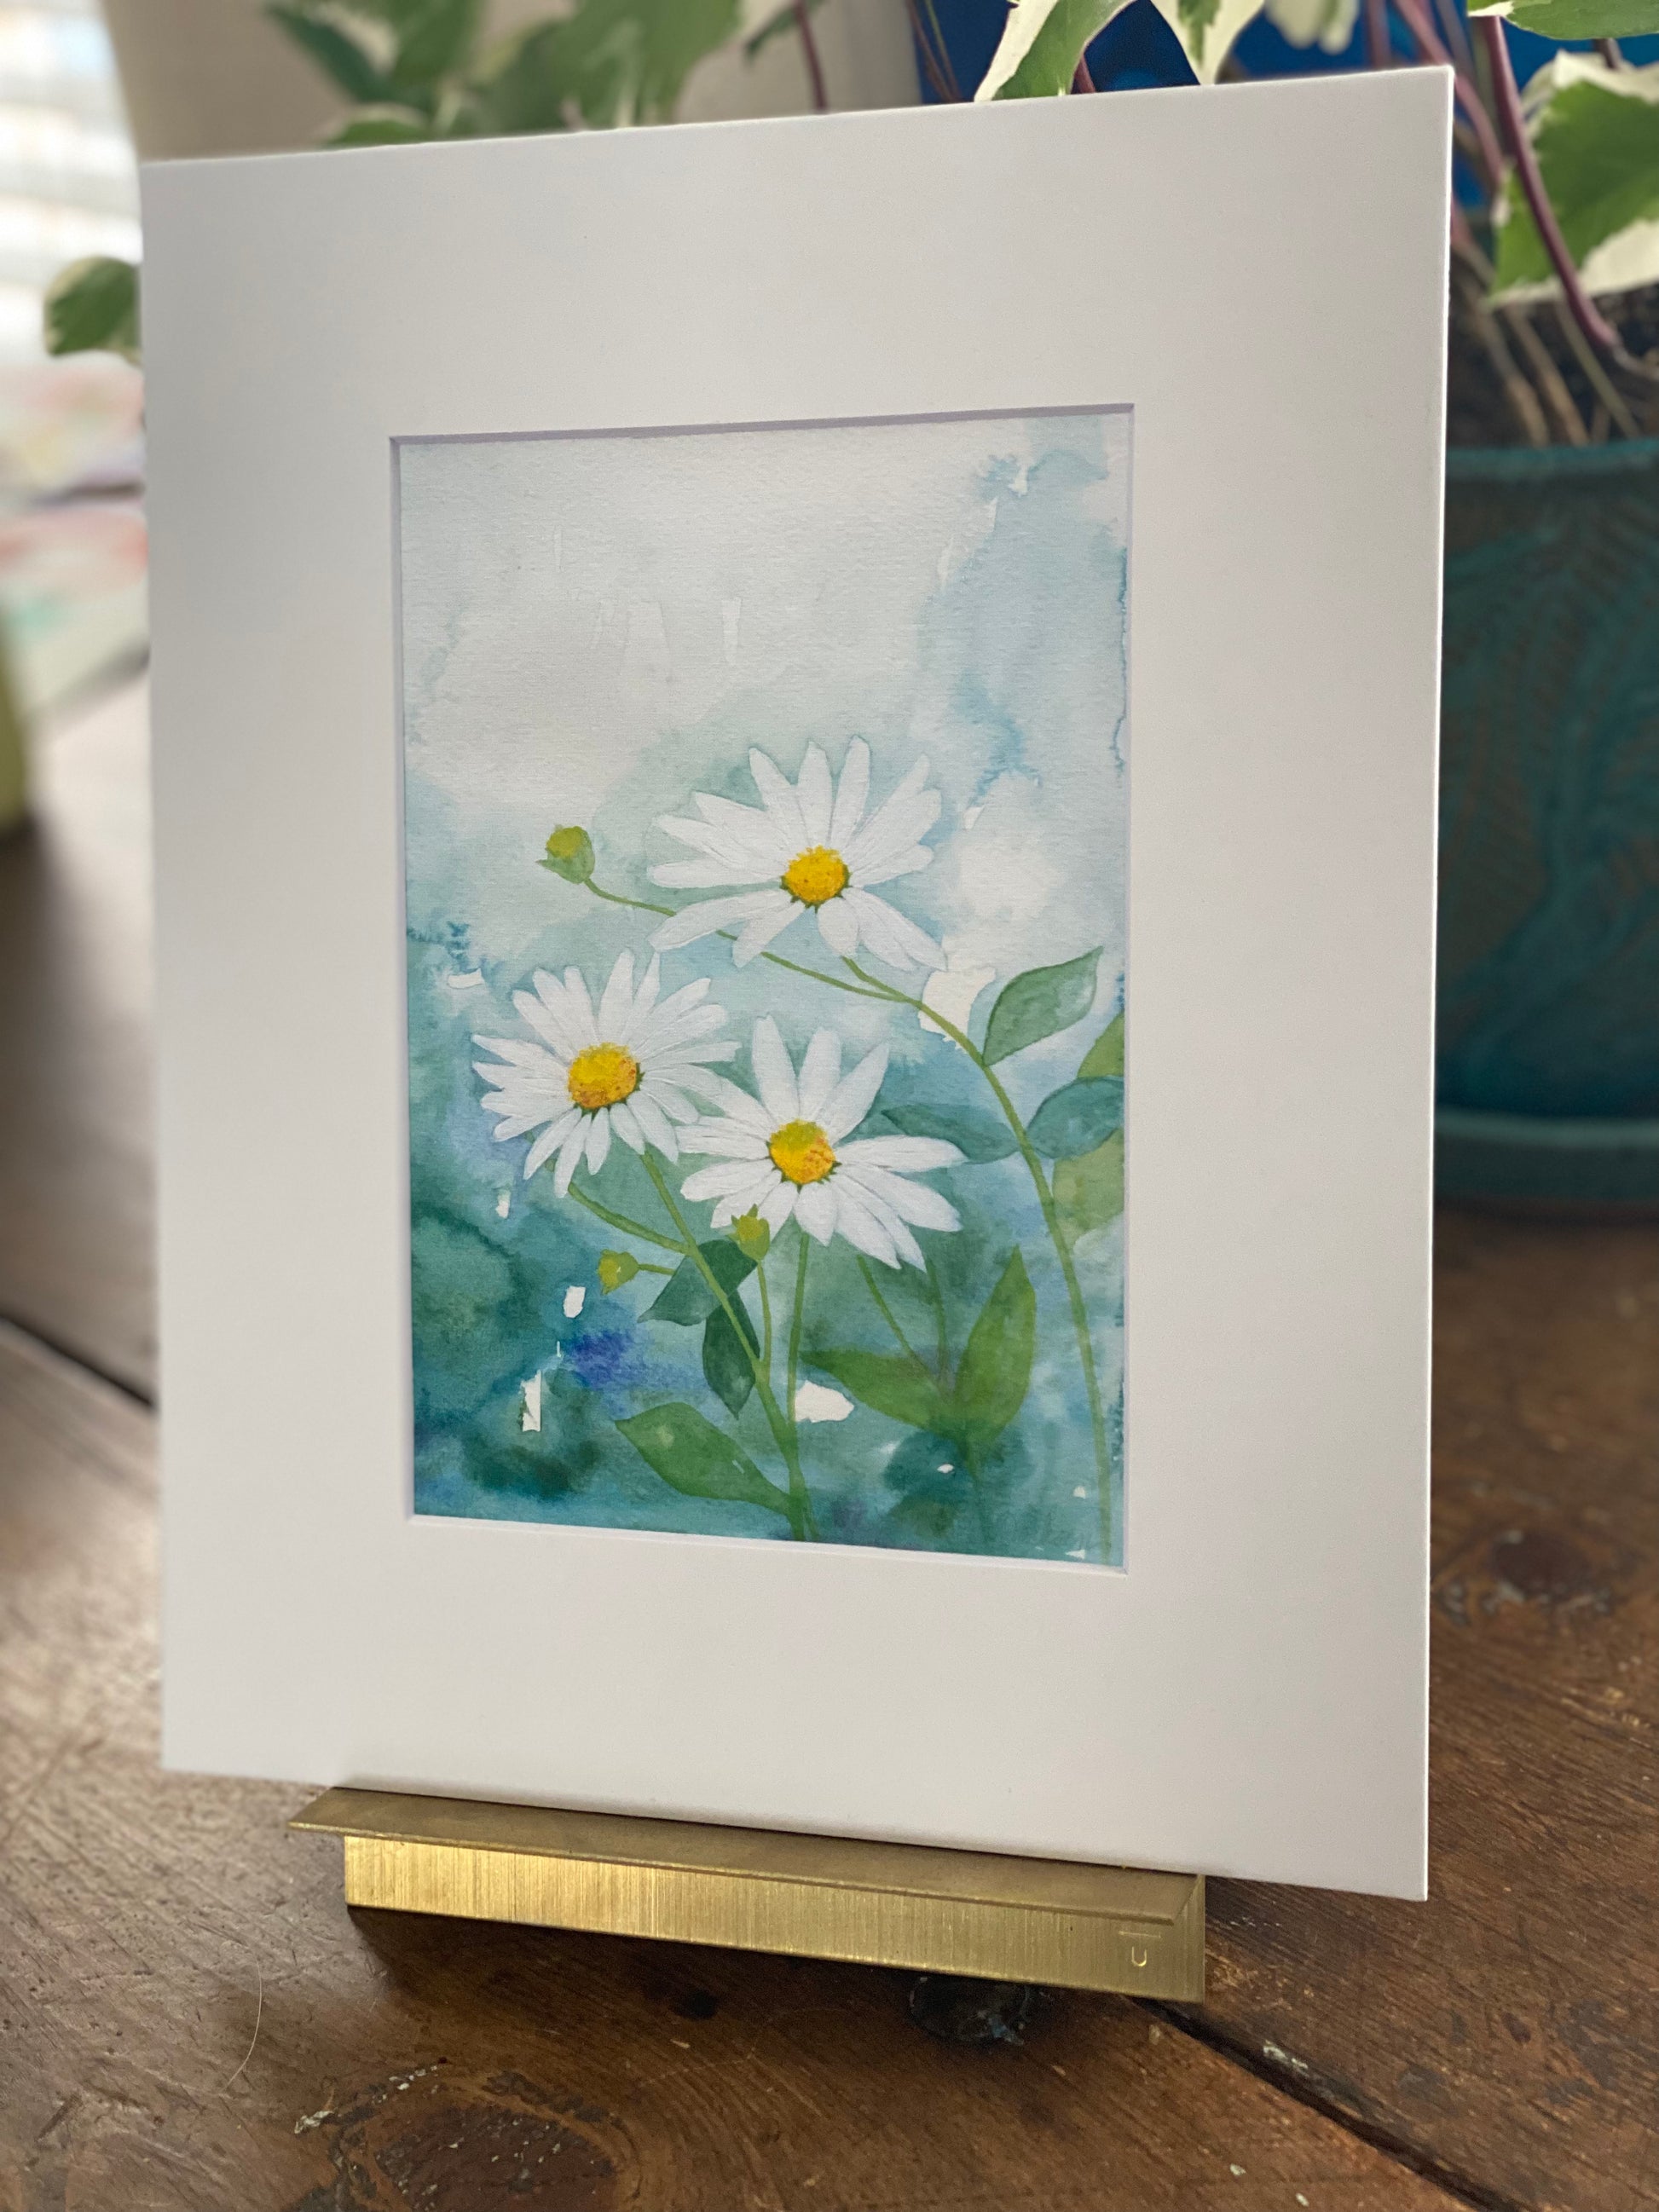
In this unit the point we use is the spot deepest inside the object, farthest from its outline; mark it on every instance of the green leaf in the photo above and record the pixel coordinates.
(899, 1387)
(979, 1137)
(335, 51)
(1089, 1192)
(1327, 23)
(1078, 1117)
(686, 1297)
(691, 1456)
(383, 127)
(1105, 1055)
(1042, 44)
(610, 61)
(1040, 1003)
(996, 1364)
(1580, 18)
(92, 306)
(1207, 30)
(726, 1367)
(1598, 151)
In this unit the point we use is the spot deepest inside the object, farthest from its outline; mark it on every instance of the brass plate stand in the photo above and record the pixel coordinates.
(825, 1897)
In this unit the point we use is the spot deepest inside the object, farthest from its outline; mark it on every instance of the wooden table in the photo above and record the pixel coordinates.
(191, 2021)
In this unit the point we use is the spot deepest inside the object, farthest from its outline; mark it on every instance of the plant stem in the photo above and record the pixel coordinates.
(889, 1316)
(931, 69)
(1057, 1236)
(629, 1227)
(766, 1317)
(1379, 48)
(937, 1288)
(1512, 123)
(1081, 80)
(808, 46)
(797, 1481)
(1547, 376)
(621, 898)
(801, 1523)
(952, 87)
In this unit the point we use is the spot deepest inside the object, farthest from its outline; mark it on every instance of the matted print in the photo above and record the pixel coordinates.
(766, 844)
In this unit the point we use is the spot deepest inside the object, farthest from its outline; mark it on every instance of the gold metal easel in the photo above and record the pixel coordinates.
(1049, 1921)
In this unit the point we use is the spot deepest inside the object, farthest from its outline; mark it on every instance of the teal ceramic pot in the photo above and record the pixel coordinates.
(1547, 1042)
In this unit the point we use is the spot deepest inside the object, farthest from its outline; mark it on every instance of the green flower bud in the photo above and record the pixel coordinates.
(617, 1268)
(570, 854)
(751, 1236)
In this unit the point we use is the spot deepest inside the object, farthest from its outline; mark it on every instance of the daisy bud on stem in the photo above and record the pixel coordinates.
(617, 1268)
(751, 1236)
(570, 854)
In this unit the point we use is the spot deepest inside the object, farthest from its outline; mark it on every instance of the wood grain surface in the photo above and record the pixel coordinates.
(191, 2020)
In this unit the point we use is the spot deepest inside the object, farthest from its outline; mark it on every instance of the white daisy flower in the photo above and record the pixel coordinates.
(783, 1153)
(627, 1068)
(808, 844)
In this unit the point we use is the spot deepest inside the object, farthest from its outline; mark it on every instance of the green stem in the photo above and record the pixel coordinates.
(621, 898)
(766, 1317)
(801, 1522)
(935, 1287)
(629, 1228)
(797, 1481)
(888, 1314)
(1057, 1236)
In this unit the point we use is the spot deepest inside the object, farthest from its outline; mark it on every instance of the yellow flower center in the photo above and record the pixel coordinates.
(602, 1076)
(801, 1151)
(815, 876)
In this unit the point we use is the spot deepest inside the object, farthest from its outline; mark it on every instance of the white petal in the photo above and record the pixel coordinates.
(618, 1004)
(553, 1024)
(851, 794)
(673, 1102)
(779, 1202)
(519, 1054)
(774, 1075)
(838, 926)
(581, 1006)
(816, 795)
(622, 1120)
(515, 1124)
(907, 1155)
(726, 1139)
(815, 1209)
(563, 1025)
(597, 1150)
(820, 1071)
(906, 801)
(654, 1124)
(748, 1199)
(707, 916)
(879, 843)
(748, 830)
(891, 935)
(854, 1096)
(738, 1106)
(758, 933)
(859, 1224)
(569, 1157)
(550, 1141)
(910, 863)
(911, 1201)
(723, 1178)
(708, 875)
(644, 998)
(780, 801)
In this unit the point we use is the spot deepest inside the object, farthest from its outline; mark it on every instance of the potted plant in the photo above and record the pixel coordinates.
(1548, 1038)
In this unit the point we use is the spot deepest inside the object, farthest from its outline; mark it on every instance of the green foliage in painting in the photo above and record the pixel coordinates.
(1040, 1004)
(92, 306)
(1089, 1192)
(617, 1268)
(1078, 1117)
(727, 1366)
(996, 1367)
(470, 1303)
(690, 1455)
(1105, 1055)
(686, 1297)
(889, 1383)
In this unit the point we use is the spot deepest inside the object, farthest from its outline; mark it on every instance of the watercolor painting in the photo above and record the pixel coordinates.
(765, 802)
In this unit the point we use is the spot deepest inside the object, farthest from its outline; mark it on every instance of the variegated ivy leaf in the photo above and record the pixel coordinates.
(1042, 41)
(1327, 24)
(1596, 133)
(1578, 19)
